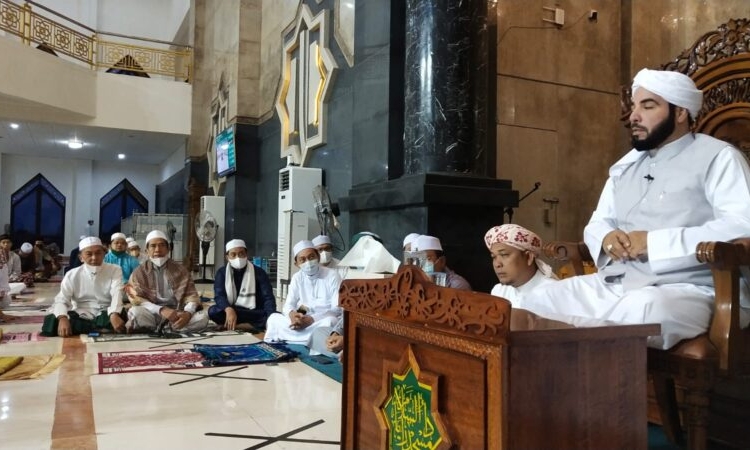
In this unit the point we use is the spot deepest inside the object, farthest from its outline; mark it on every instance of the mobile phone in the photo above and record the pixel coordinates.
(321, 359)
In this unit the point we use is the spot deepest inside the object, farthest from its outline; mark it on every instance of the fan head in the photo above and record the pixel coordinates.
(325, 210)
(205, 226)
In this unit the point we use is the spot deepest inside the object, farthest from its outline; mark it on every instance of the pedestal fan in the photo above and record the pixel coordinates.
(205, 229)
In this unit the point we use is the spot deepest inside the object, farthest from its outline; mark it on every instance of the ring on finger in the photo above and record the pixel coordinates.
(609, 247)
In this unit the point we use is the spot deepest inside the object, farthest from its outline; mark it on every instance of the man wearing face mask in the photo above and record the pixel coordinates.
(90, 296)
(436, 262)
(162, 292)
(324, 247)
(312, 301)
(242, 291)
(118, 254)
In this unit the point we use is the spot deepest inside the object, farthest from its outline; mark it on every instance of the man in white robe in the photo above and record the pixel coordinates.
(515, 260)
(324, 246)
(312, 300)
(672, 191)
(90, 296)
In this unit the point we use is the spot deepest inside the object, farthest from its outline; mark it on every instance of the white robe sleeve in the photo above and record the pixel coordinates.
(63, 300)
(603, 221)
(115, 291)
(292, 296)
(727, 189)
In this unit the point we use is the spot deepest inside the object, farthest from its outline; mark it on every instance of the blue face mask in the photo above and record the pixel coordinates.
(428, 267)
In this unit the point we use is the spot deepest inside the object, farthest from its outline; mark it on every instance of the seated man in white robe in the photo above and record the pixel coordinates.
(90, 297)
(162, 293)
(312, 300)
(328, 341)
(324, 246)
(515, 259)
(672, 191)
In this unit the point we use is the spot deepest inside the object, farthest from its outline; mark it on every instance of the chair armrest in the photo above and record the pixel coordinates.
(725, 260)
(575, 253)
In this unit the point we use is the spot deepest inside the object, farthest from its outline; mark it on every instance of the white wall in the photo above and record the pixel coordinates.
(82, 182)
(154, 19)
(174, 163)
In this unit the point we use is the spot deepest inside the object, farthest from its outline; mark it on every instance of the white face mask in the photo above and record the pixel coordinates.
(159, 261)
(325, 257)
(91, 269)
(238, 263)
(310, 267)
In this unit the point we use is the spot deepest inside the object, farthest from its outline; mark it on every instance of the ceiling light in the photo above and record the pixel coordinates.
(75, 144)
(14, 126)
(121, 156)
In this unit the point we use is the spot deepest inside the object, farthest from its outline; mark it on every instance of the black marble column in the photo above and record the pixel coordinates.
(240, 190)
(445, 89)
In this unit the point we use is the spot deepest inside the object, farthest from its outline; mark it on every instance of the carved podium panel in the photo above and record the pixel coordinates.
(438, 368)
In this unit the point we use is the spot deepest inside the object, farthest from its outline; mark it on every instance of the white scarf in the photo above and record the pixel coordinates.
(246, 299)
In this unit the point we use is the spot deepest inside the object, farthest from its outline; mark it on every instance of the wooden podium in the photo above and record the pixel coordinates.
(438, 368)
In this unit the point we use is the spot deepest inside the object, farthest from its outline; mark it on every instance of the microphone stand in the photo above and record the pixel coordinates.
(509, 209)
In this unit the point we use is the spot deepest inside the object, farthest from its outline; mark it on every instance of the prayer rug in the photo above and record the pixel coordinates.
(21, 336)
(257, 353)
(22, 320)
(33, 367)
(332, 369)
(150, 360)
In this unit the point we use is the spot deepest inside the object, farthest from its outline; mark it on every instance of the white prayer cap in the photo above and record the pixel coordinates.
(26, 247)
(302, 245)
(133, 244)
(81, 237)
(89, 242)
(674, 87)
(156, 234)
(129, 239)
(234, 243)
(410, 238)
(425, 242)
(321, 240)
(117, 236)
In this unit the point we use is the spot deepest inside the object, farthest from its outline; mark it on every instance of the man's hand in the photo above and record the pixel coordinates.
(63, 326)
(300, 321)
(617, 245)
(183, 318)
(638, 243)
(118, 325)
(335, 342)
(231, 320)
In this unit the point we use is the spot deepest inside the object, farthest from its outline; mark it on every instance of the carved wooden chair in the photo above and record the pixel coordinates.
(718, 361)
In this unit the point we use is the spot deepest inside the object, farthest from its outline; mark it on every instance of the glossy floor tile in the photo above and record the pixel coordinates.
(283, 406)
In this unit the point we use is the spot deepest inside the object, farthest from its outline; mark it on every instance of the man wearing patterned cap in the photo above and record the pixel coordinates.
(437, 262)
(162, 292)
(515, 259)
(324, 246)
(90, 296)
(312, 300)
(119, 255)
(242, 291)
(672, 191)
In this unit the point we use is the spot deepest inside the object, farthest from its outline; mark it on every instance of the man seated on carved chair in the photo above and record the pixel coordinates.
(674, 190)
(515, 259)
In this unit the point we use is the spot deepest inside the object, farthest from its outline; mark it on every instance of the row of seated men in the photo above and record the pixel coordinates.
(674, 189)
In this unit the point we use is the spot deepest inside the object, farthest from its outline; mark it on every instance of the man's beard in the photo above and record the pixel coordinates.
(658, 135)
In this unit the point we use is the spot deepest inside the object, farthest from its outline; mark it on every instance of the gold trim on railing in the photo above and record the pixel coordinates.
(31, 27)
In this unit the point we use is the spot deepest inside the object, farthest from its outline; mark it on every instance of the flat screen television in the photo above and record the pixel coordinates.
(226, 162)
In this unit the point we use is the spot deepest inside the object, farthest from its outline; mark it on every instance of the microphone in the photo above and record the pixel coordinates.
(649, 178)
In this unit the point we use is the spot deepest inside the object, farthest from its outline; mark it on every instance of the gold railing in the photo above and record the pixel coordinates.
(174, 61)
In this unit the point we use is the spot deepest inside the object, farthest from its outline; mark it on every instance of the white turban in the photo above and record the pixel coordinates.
(88, 242)
(117, 236)
(234, 243)
(674, 87)
(302, 245)
(156, 234)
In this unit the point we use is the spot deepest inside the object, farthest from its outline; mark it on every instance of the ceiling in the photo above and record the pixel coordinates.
(100, 144)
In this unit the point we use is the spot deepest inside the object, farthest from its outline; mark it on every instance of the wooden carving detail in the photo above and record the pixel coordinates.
(409, 296)
(728, 40)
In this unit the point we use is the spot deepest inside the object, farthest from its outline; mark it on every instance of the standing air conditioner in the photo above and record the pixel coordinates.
(297, 218)
(214, 204)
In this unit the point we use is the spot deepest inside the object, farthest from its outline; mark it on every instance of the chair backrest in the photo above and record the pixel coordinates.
(719, 63)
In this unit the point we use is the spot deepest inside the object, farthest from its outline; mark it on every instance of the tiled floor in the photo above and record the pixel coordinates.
(284, 406)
